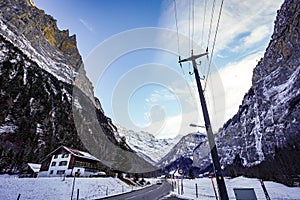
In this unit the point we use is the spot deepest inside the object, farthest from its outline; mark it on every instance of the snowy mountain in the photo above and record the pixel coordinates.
(42, 106)
(168, 154)
(263, 137)
(181, 155)
(146, 145)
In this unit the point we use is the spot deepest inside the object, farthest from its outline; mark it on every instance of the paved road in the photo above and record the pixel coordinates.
(172, 198)
(153, 192)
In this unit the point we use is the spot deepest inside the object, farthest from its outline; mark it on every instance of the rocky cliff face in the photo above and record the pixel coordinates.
(268, 120)
(269, 115)
(37, 35)
(38, 109)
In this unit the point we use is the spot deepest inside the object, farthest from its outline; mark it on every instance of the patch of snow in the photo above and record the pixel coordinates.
(81, 154)
(69, 96)
(39, 129)
(25, 76)
(258, 136)
(206, 192)
(30, 103)
(60, 188)
(8, 128)
(45, 88)
(77, 104)
(12, 74)
(17, 97)
(35, 167)
(283, 91)
(7, 118)
(117, 136)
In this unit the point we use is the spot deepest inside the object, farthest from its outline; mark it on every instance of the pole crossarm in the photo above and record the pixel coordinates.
(193, 57)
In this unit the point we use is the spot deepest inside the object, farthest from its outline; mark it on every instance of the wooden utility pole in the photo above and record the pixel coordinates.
(214, 153)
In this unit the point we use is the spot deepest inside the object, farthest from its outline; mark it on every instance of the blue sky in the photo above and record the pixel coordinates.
(144, 88)
(96, 20)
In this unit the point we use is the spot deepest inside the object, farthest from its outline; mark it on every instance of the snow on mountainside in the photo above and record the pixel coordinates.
(37, 36)
(38, 64)
(168, 154)
(146, 145)
(45, 62)
(269, 116)
(181, 155)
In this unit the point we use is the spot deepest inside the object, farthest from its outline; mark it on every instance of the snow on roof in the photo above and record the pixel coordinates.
(74, 152)
(81, 154)
(35, 167)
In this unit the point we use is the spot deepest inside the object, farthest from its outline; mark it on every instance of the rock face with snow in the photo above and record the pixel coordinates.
(146, 145)
(38, 66)
(268, 120)
(269, 115)
(37, 36)
(181, 155)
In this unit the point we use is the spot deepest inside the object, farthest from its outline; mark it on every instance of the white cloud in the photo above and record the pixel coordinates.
(236, 78)
(174, 125)
(237, 17)
(257, 35)
(160, 95)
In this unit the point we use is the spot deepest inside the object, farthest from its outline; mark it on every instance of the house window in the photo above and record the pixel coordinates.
(53, 164)
(63, 163)
(51, 172)
(65, 155)
(55, 156)
(60, 172)
(47, 164)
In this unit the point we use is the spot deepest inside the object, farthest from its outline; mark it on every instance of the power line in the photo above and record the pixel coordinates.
(176, 27)
(189, 33)
(211, 19)
(202, 34)
(215, 38)
(193, 22)
(178, 46)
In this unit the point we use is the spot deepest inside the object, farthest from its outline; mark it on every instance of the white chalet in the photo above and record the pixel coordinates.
(65, 161)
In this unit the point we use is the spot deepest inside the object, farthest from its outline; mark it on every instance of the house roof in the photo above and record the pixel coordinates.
(75, 152)
(34, 167)
(81, 154)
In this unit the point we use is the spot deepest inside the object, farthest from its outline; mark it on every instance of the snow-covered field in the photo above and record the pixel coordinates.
(59, 188)
(276, 191)
(93, 188)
